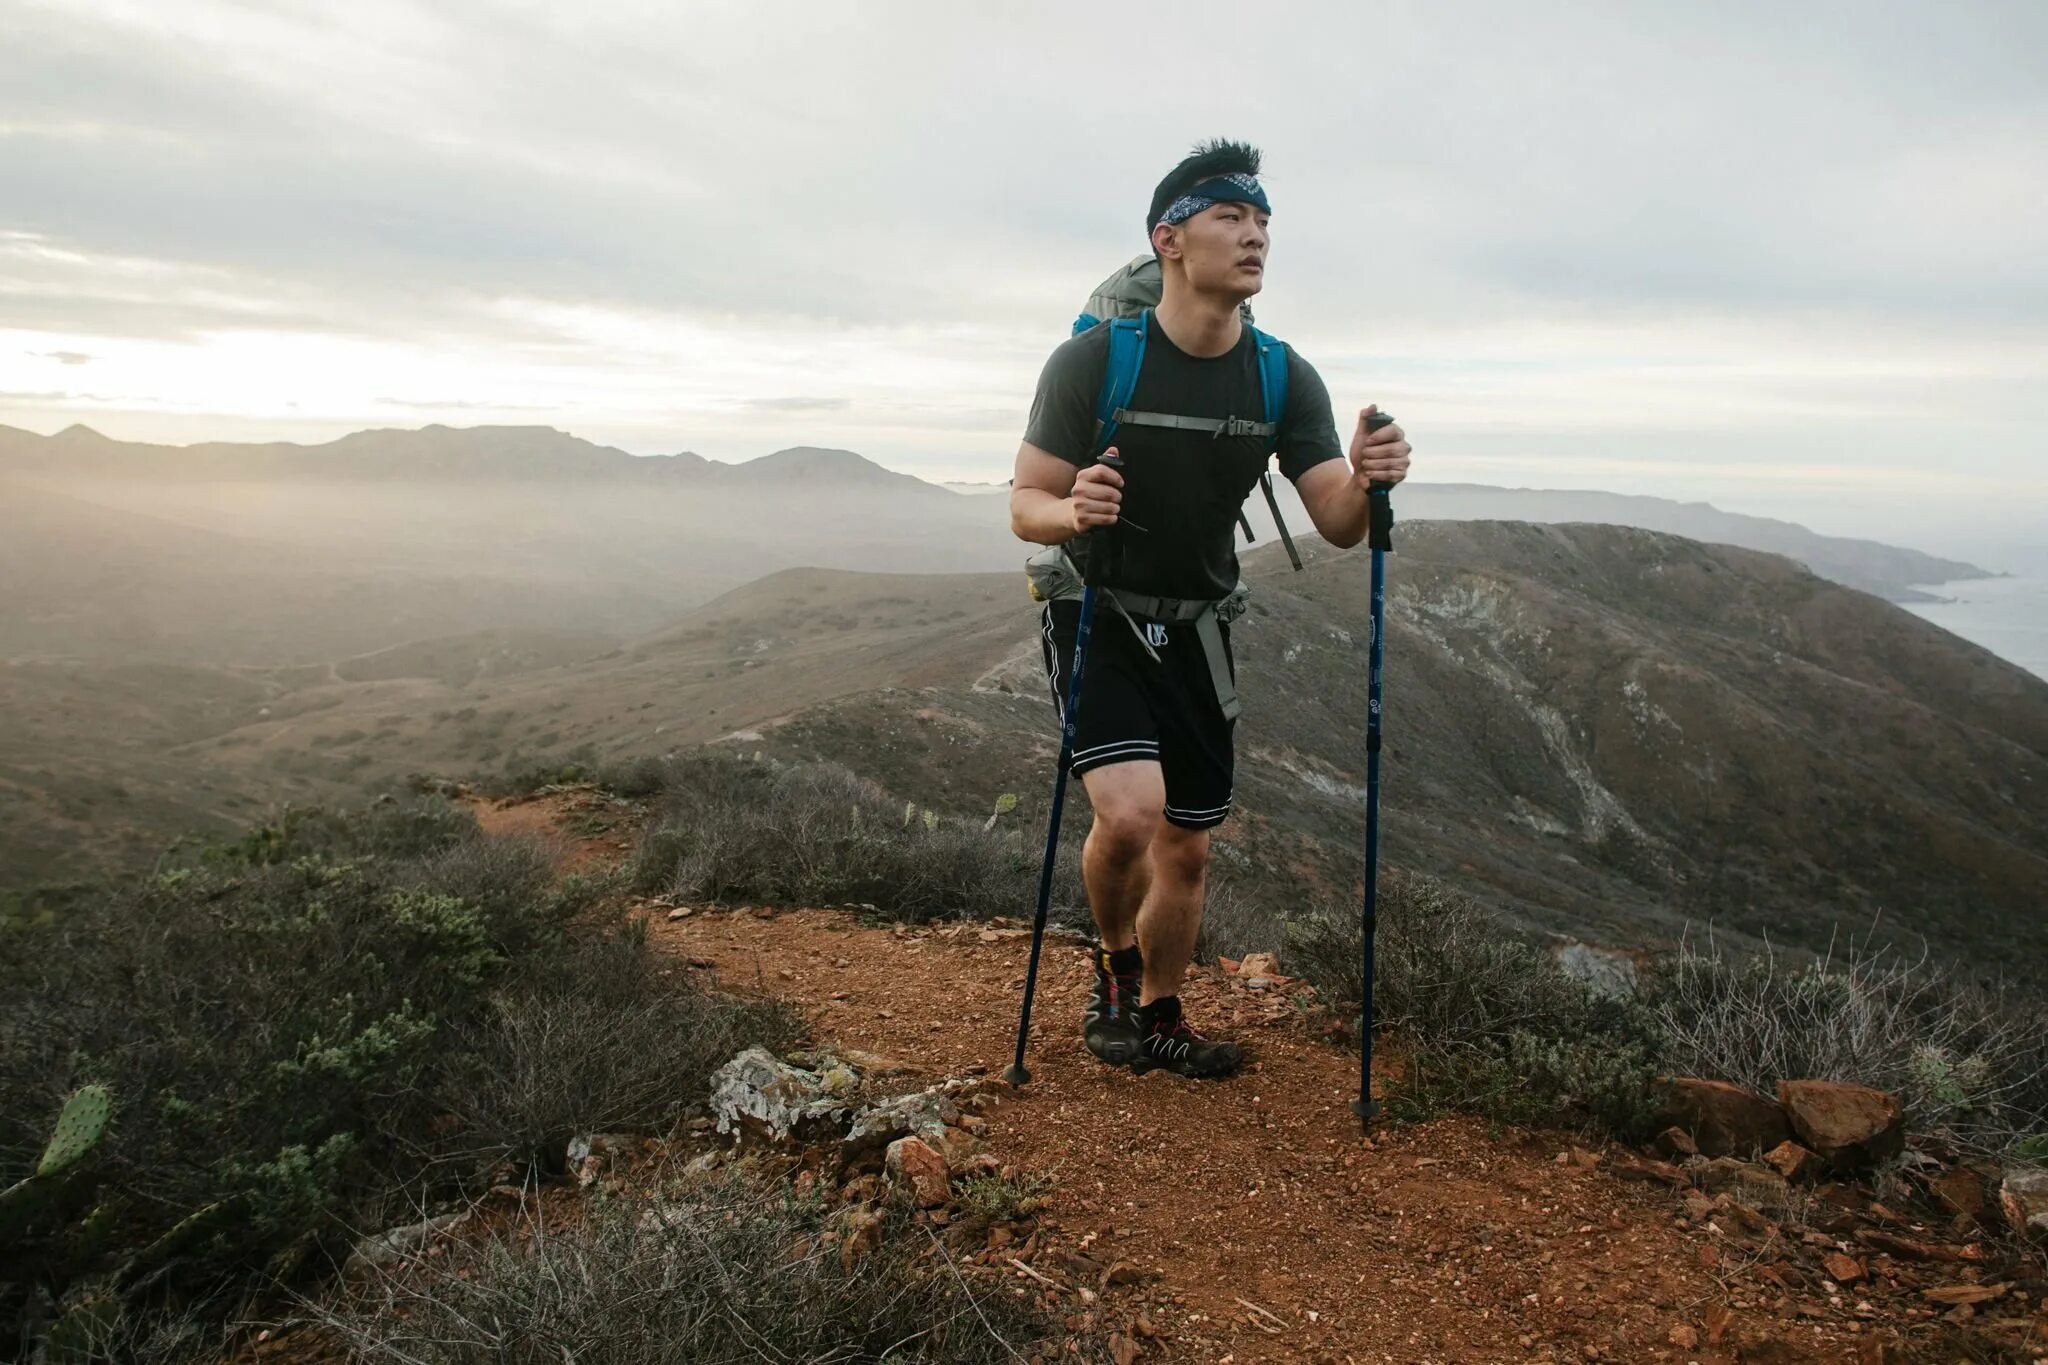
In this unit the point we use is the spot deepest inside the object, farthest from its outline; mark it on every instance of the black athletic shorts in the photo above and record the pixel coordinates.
(1135, 710)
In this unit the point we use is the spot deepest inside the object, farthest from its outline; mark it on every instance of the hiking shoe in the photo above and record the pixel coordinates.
(1110, 1026)
(1170, 1044)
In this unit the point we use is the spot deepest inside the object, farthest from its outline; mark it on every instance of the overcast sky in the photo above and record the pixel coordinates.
(1793, 259)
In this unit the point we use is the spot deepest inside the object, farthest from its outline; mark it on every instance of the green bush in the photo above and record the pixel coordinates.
(1488, 1023)
(723, 1272)
(315, 1027)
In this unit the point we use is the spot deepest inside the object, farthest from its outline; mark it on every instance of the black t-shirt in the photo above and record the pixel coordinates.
(1183, 487)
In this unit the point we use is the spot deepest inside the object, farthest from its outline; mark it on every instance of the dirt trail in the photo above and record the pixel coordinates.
(1277, 1232)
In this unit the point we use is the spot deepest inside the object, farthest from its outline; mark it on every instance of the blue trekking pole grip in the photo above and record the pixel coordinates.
(1380, 537)
(1017, 1073)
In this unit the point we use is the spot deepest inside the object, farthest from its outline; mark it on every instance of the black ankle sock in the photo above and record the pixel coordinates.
(1161, 1015)
(1123, 962)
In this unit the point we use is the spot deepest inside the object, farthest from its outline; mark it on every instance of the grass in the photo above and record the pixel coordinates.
(734, 830)
(723, 1271)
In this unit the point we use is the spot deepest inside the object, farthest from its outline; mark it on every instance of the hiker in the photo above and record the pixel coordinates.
(1156, 716)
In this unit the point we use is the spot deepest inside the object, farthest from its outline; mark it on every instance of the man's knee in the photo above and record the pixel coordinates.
(1123, 831)
(1180, 854)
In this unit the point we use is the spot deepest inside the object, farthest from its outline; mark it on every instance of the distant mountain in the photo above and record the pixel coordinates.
(497, 454)
(1889, 571)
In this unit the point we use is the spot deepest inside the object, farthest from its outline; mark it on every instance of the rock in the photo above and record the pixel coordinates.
(587, 1156)
(860, 1232)
(2024, 1198)
(394, 1246)
(1757, 1186)
(924, 1114)
(958, 1147)
(1674, 1144)
(1684, 1337)
(1960, 1191)
(1952, 1294)
(918, 1171)
(759, 1095)
(1843, 1268)
(1258, 964)
(1791, 1160)
(875, 1063)
(1724, 1119)
(1637, 1168)
(1849, 1125)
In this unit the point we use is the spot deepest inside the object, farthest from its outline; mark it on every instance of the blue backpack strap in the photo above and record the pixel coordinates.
(1273, 382)
(1120, 376)
(1272, 375)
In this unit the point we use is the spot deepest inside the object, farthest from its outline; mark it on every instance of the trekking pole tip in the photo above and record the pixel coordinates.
(1367, 1111)
(1016, 1075)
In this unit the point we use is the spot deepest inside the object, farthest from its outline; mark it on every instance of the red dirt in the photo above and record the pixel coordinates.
(1276, 1230)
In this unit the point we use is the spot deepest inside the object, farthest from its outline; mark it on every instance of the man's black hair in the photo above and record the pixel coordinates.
(1218, 156)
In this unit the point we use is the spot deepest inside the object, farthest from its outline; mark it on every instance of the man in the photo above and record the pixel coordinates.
(1154, 741)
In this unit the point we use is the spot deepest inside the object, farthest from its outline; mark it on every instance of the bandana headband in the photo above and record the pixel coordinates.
(1234, 189)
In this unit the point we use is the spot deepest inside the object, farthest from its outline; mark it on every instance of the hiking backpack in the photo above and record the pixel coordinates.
(1123, 301)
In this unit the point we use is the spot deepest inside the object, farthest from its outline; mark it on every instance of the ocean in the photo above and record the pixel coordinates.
(2008, 616)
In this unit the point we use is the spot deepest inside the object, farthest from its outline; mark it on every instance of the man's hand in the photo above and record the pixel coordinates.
(1378, 456)
(1097, 497)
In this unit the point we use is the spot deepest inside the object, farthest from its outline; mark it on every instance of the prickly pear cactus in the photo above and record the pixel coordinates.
(30, 1202)
(79, 1129)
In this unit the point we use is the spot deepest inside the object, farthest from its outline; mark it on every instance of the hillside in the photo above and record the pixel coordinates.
(1610, 731)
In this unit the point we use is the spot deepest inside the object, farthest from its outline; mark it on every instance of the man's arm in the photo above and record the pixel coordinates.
(1337, 494)
(1051, 501)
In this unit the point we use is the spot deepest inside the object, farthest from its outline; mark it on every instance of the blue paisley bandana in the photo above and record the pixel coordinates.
(1232, 189)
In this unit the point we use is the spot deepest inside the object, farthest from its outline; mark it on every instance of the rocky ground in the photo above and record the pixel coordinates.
(1252, 1220)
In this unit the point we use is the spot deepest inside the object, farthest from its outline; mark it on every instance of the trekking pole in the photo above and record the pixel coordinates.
(1017, 1074)
(1380, 535)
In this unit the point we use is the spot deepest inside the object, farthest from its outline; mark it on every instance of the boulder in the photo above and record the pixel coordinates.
(918, 1171)
(2024, 1197)
(1724, 1119)
(1849, 1125)
(757, 1094)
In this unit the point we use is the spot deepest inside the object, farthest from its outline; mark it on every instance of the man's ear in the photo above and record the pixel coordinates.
(1166, 241)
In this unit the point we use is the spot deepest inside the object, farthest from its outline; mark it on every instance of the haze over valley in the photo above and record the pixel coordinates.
(1612, 732)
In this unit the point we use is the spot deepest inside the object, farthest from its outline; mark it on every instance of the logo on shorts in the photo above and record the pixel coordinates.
(1155, 633)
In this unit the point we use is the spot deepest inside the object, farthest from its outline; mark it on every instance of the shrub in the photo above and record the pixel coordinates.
(1488, 1023)
(735, 830)
(309, 1029)
(598, 1037)
(721, 1272)
(1959, 1058)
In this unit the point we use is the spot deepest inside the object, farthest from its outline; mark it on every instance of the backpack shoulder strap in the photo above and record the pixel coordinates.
(1120, 375)
(1272, 375)
(1273, 383)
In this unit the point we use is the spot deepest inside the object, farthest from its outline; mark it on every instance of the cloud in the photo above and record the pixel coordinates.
(1802, 232)
(66, 357)
(799, 404)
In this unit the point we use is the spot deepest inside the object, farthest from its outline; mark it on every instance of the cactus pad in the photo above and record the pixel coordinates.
(78, 1131)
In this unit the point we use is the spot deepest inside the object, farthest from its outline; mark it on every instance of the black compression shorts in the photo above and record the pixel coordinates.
(1135, 710)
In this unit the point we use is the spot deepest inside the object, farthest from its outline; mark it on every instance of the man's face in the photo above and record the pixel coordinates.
(1223, 249)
